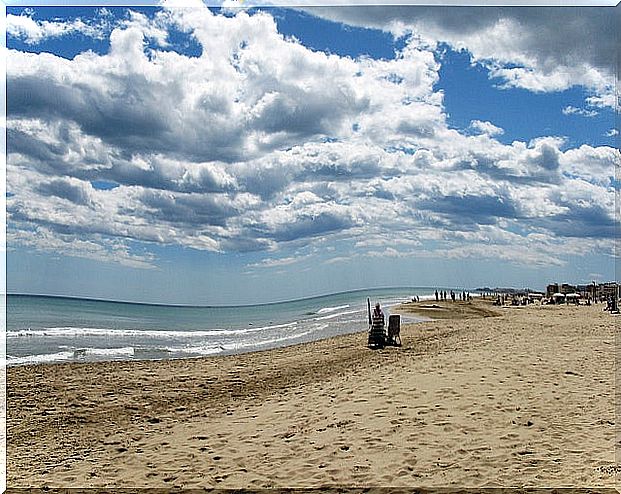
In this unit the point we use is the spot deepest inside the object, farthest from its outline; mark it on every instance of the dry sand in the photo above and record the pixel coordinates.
(522, 399)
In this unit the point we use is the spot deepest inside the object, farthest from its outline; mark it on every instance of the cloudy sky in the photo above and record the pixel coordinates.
(214, 156)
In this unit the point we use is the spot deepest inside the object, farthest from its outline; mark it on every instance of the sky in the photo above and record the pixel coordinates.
(215, 156)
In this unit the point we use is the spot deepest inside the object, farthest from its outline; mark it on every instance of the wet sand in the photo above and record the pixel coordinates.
(525, 398)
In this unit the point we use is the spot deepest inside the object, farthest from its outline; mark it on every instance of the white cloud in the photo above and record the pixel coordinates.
(541, 49)
(572, 110)
(593, 165)
(32, 31)
(155, 29)
(606, 100)
(487, 128)
(263, 144)
(98, 249)
(278, 262)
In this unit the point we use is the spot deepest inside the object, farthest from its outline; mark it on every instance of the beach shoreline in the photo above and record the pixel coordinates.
(53, 330)
(468, 402)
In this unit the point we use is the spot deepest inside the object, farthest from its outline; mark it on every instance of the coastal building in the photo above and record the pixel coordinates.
(551, 289)
(587, 291)
(609, 290)
(593, 291)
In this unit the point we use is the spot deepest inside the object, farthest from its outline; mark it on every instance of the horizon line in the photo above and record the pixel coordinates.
(299, 299)
(218, 306)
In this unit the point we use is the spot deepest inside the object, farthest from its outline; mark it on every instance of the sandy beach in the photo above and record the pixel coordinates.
(521, 397)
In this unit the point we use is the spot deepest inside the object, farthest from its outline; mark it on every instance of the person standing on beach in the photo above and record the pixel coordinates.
(436, 295)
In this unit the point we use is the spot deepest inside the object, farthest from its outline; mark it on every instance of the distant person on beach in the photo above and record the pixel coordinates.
(436, 295)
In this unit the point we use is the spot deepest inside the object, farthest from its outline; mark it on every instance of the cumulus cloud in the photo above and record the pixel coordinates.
(596, 166)
(536, 48)
(260, 144)
(252, 92)
(103, 250)
(487, 128)
(583, 112)
(33, 31)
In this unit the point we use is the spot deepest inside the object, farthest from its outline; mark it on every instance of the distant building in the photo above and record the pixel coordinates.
(585, 291)
(593, 291)
(567, 288)
(610, 289)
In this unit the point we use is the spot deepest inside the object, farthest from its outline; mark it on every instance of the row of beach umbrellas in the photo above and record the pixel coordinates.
(563, 295)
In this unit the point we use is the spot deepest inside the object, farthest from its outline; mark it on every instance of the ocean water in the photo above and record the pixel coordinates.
(53, 329)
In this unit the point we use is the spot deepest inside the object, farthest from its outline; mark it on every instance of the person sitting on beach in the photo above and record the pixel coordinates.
(377, 312)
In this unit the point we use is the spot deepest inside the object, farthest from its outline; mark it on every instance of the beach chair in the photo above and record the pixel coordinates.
(394, 330)
(377, 336)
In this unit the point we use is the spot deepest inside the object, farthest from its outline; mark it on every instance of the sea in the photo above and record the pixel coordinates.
(46, 329)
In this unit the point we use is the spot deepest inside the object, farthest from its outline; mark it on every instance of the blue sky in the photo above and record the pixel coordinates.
(215, 156)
